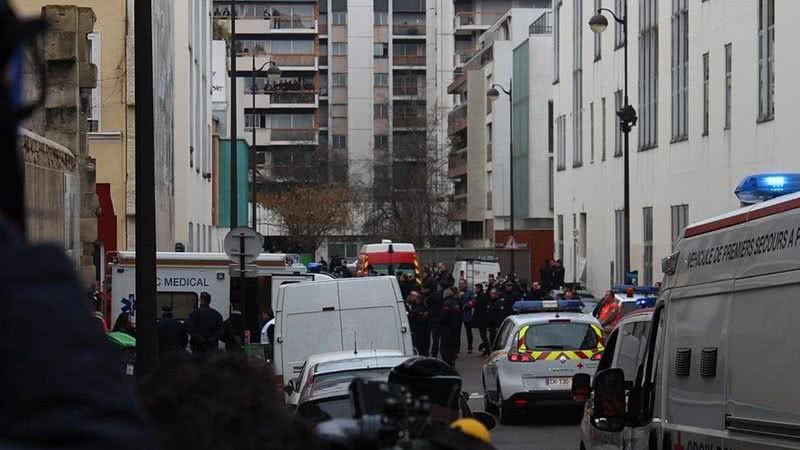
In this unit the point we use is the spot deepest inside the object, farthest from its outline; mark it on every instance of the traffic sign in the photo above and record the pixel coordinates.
(243, 243)
(511, 242)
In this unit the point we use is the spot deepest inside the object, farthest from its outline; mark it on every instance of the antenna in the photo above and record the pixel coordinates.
(355, 343)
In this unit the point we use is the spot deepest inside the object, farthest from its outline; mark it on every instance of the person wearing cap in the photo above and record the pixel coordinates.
(204, 326)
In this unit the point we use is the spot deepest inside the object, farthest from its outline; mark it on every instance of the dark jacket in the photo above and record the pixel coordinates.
(480, 314)
(451, 316)
(435, 302)
(406, 287)
(445, 280)
(172, 335)
(468, 305)
(233, 332)
(63, 384)
(546, 275)
(419, 318)
(495, 313)
(205, 328)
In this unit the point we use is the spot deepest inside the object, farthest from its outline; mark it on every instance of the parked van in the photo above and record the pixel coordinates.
(720, 367)
(475, 271)
(181, 277)
(343, 314)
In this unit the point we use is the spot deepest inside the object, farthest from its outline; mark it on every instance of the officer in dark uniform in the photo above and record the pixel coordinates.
(450, 327)
(205, 326)
(419, 318)
(435, 301)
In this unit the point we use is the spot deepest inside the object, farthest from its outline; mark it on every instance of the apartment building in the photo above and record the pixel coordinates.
(514, 53)
(714, 95)
(350, 105)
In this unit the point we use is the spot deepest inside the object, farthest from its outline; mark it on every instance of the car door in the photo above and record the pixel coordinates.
(595, 438)
(499, 352)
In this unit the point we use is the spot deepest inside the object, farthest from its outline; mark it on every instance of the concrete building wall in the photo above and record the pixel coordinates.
(700, 171)
(360, 91)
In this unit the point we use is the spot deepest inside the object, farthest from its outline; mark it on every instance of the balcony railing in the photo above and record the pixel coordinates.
(409, 29)
(457, 209)
(475, 20)
(404, 60)
(294, 60)
(409, 121)
(294, 134)
(269, 87)
(460, 57)
(457, 164)
(457, 119)
(542, 25)
(413, 90)
(292, 97)
(293, 22)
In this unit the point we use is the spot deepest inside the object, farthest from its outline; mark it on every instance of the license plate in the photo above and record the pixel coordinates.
(559, 381)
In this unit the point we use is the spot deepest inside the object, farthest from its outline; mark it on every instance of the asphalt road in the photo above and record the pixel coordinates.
(540, 430)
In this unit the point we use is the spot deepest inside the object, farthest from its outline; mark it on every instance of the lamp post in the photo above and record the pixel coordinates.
(627, 119)
(273, 74)
(493, 94)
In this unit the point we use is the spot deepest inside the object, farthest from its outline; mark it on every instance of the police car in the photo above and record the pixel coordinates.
(535, 354)
(632, 298)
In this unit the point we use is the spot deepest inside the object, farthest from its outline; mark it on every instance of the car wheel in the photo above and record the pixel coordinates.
(505, 409)
(488, 406)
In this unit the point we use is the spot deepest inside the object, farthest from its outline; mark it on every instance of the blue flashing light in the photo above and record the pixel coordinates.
(646, 302)
(766, 186)
(641, 290)
(537, 306)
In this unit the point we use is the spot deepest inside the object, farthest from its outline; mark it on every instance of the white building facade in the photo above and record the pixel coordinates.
(712, 84)
(193, 126)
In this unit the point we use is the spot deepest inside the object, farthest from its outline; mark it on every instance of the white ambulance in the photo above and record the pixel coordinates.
(720, 369)
(181, 277)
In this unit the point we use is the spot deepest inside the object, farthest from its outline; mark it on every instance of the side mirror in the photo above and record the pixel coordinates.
(609, 400)
(289, 388)
(485, 418)
(581, 387)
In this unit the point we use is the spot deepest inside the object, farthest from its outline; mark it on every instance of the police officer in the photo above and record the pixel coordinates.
(435, 302)
(450, 327)
(494, 316)
(419, 318)
(205, 326)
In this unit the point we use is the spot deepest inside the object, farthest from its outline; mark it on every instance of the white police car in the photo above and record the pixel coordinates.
(536, 352)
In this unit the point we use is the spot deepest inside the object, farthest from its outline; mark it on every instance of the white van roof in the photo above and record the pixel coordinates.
(745, 214)
(197, 258)
(384, 247)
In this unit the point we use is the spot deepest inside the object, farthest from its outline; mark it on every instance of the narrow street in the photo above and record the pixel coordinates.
(545, 429)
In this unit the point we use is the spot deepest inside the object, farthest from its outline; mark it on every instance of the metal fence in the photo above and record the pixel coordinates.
(522, 257)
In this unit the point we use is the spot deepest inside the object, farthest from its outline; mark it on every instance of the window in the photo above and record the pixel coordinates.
(339, 48)
(598, 43)
(503, 335)
(182, 303)
(93, 115)
(338, 141)
(381, 110)
(381, 18)
(680, 218)
(550, 183)
(339, 18)
(577, 84)
(591, 132)
(489, 138)
(380, 50)
(648, 73)
(618, 138)
(550, 125)
(561, 161)
(603, 128)
(766, 59)
(705, 94)
(619, 241)
(558, 335)
(631, 343)
(190, 244)
(728, 84)
(381, 141)
(339, 79)
(619, 34)
(647, 263)
(680, 66)
(381, 79)
(556, 41)
(338, 110)
(560, 236)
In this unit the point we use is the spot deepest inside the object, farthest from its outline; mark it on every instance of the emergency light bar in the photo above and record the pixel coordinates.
(536, 306)
(646, 302)
(766, 186)
(641, 290)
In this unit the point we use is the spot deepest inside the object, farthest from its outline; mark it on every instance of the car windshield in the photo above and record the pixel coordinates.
(391, 269)
(380, 374)
(317, 411)
(560, 336)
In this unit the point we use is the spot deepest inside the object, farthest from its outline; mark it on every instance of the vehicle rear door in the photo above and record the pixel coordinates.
(560, 348)
(369, 315)
(309, 323)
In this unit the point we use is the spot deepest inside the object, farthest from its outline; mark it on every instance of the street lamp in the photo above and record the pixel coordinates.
(627, 119)
(273, 74)
(493, 94)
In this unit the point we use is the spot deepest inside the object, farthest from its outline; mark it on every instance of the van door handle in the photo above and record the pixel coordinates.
(279, 340)
(403, 329)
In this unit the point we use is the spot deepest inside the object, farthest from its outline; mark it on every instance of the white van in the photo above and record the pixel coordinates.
(343, 314)
(721, 365)
(475, 271)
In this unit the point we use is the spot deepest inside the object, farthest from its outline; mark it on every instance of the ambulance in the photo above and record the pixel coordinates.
(181, 277)
(720, 364)
(388, 258)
